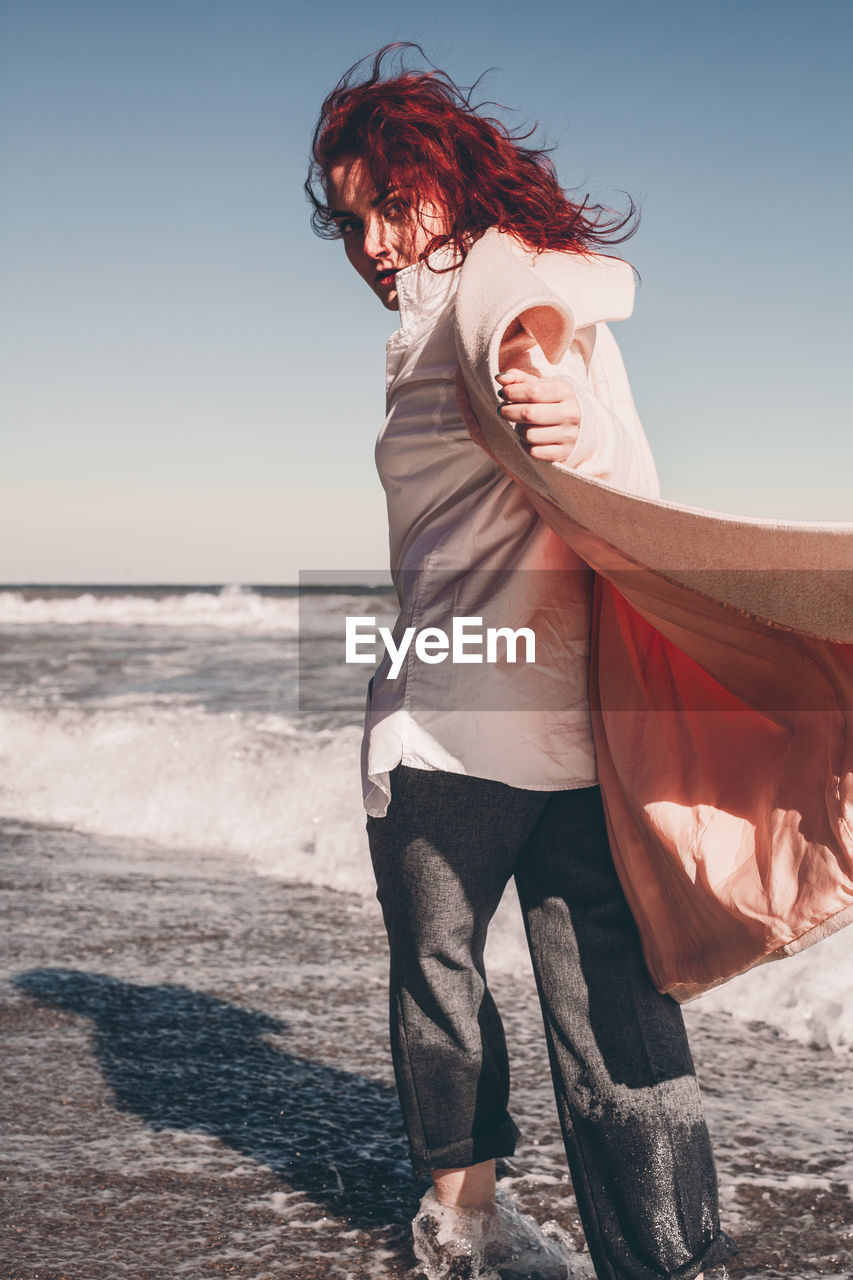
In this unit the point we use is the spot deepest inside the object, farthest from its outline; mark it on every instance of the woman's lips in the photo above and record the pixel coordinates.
(387, 276)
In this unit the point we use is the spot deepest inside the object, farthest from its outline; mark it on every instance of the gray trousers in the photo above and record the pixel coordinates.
(627, 1097)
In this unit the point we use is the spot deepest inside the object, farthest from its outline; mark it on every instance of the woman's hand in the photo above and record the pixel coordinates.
(546, 412)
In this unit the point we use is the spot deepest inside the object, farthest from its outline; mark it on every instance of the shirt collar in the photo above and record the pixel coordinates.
(423, 288)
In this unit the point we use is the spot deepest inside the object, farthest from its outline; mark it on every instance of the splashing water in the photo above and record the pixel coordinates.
(465, 1244)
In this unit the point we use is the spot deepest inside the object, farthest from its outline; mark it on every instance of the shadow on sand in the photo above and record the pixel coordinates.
(179, 1059)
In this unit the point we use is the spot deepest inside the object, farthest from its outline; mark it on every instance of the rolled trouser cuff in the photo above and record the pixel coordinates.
(498, 1142)
(721, 1248)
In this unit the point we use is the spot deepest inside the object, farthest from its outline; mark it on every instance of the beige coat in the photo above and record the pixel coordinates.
(721, 679)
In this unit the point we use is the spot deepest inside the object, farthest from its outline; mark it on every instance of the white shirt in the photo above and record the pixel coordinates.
(465, 542)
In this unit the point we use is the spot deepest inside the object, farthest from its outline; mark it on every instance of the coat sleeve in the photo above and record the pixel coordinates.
(611, 445)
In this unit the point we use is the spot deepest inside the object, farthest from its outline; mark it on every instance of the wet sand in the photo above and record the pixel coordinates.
(195, 1083)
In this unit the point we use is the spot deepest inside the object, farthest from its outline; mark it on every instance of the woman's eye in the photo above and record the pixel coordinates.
(345, 225)
(394, 209)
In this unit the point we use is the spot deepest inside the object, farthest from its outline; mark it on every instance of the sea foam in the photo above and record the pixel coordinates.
(231, 608)
(285, 802)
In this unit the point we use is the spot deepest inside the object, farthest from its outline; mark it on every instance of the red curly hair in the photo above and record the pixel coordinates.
(420, 136)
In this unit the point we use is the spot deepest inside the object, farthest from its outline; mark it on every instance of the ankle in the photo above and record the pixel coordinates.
(472, 1188)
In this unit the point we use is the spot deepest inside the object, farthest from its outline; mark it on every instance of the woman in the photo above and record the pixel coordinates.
(477, 772)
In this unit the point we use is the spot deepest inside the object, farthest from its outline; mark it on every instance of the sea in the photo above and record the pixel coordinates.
(223, 720)
(196, 1073)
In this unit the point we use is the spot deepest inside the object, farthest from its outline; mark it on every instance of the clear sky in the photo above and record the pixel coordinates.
(192, 382)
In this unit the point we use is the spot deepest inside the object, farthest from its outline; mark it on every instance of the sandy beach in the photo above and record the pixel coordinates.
(196, 1083)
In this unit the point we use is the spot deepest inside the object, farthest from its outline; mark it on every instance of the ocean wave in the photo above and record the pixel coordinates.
(256, 787)
(232, 608)
(285, 801)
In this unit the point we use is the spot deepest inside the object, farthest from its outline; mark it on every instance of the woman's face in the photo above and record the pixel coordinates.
(381, 234)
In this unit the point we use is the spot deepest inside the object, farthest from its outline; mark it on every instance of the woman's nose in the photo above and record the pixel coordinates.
(375, 238)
